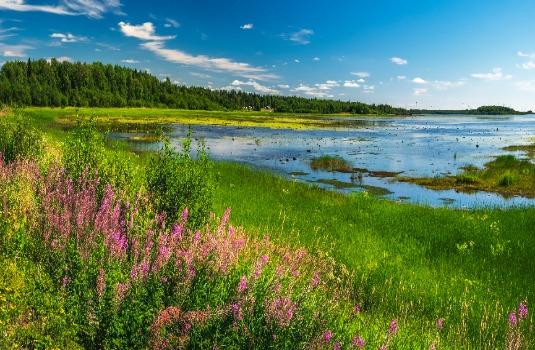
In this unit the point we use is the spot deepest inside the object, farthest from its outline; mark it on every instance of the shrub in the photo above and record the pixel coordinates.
(467, 179)
(84, 151)
(19, 140)
(330, 163)
(177, 181)
(507, 179)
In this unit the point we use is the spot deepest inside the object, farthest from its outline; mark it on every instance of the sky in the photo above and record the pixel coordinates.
(438, 54)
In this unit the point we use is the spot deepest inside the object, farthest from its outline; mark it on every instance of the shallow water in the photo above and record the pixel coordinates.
(420, 146)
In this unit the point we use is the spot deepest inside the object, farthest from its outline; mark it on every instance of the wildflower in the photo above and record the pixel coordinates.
(359, 342)
(315, 280)
(121, 289)
(337, 346)
(236, 311)
(327, 336)
(512, 319)
(281, 311)
(440, 323)
(65, 281)
(433, 346)
(393, 329)
(357, 309)
(383, 347)
(242, 286)
(101, 282)
(523, 310)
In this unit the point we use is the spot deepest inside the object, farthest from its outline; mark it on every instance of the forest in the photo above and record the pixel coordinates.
(57, 84)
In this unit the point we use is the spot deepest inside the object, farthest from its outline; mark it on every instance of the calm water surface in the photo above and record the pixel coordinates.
(412, 146)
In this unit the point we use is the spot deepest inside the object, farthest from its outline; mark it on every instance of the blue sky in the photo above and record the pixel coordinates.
(434, 54)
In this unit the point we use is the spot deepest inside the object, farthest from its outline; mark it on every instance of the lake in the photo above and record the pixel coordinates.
(418, 146)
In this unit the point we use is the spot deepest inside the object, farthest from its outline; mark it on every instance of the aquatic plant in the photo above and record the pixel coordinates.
(330, 163)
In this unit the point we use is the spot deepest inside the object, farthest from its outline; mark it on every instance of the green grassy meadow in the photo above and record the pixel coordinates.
(412, 263)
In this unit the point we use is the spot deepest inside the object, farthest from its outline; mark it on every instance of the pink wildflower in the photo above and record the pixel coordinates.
(337, 346)
(315, 280)
(513, 321)
(440, 323)
(359, 342)
(327, 336)
(393, 328)
(242, 286)
(357, 309)
(101, 282)
(523, 310)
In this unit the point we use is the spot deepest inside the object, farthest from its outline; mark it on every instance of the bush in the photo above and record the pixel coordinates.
(84, 150)
(19, 140)
(507, 179)
(177, 181)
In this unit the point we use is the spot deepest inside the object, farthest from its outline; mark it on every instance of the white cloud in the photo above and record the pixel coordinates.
(220, 64)
(89, 8)
(529, 65)
(351, 84)
(284, 86)
(229, 88)
(445, 85)
(130, 61)
(401, 77)
(316, 59)
(171, 23)
(311, 91)
(368, 89)
(108, 46)
(155, 44)
(68, 38)
(14, 50)
(8, 32)
(255, 85)
(302, 36)
(495, 75)
(419, 80)
(361, 74)
(399, 61)
(420, 91)
(327, 85)
(247, 26)
(525, 54)
(145, 31)
(60, 59)
(297, 61)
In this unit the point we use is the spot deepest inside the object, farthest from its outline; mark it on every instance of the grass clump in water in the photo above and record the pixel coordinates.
(330, 163)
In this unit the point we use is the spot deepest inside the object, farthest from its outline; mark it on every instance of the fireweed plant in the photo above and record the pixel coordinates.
(88, 264)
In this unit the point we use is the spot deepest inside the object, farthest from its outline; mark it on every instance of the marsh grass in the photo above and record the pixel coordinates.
(330, 163)
(506, 175)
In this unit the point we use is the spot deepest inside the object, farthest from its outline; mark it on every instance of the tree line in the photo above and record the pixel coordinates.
(483, 110)
(58, 84)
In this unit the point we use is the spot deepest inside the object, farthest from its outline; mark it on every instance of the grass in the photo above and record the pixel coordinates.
(130, 119)
(330, 163)
(417, 263)
(506, 175)
(408, 259)
(528, 149)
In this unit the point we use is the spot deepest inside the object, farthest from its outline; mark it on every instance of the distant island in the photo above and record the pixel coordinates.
(483, 110)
